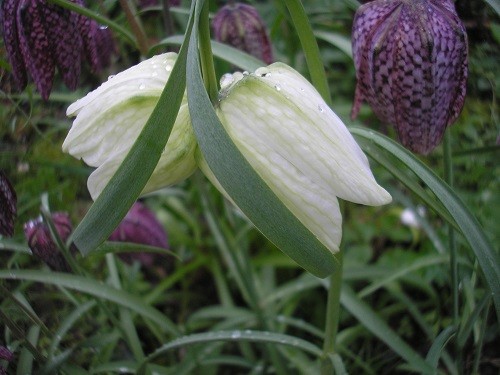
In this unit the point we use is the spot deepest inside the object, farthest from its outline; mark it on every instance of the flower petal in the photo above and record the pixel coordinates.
(110, 118)
(10, 35)
(35, 45)
(300, 148)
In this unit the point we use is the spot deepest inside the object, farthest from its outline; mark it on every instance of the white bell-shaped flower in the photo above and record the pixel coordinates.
(110, 118)
(298, 146)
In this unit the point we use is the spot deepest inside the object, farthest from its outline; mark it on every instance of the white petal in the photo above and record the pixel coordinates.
(110, 118)
(300, 148)
(176, 163)
(278, 109)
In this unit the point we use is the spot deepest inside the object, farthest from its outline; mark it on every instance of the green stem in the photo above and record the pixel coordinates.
(167, 19)
(136, 26)
(448, 177)
(206, 56)
(310, 48)
(332, 318)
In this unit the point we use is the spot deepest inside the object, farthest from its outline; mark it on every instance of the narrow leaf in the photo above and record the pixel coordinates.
(96, 289)
(125, 186)
(438, 346)
(244, 185)
(223, 51)
(487, 257)
(369, 318)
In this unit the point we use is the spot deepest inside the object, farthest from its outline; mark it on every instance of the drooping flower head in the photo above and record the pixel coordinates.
(110, 118)
(241, 26)
(41, 243)
(40, 36)
(411, 67)
(8, 206)
(298, 146)
(275, 117)
(141, 226)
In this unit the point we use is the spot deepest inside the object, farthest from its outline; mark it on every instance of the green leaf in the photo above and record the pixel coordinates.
(244, 185)
(338, 40)
(379, 328)
(438, 346)
(96, 289)
(487, 257)
(310, 47)
(125, 186)
(235, 336)
(230, 54)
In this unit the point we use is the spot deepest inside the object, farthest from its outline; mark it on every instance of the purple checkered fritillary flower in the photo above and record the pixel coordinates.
(40, 36)
(41, 243)
(141, 226)
(411, 67)
(241, 26)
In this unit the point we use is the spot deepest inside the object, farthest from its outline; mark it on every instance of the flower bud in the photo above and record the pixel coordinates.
(41, 244)
(141, 226)
(110, 118)
(8, 206)
(298, 146)
(241, 26)
(411, 67)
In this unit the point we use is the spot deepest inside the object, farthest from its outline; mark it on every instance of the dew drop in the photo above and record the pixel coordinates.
(111, 76)
(236, 334)
(226, 80)
(245, 73)
(302, 89)
(103, 27)
(277, 87)
(154, 74)
(320, 108)
(168, 68)
(142, 86)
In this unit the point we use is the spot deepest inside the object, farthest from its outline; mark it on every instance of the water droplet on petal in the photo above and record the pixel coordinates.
(168, 68)
(111, 76)
(226, 80)
(277, 87)
(154, 74)
(142, 86)
(320, 108)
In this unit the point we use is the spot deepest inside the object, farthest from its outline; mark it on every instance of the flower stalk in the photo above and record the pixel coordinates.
(136, 26)
(332, 318)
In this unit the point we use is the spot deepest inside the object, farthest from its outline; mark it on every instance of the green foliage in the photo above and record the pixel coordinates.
(225, 299)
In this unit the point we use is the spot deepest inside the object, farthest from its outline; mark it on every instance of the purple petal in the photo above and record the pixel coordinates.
(35, 45)
(41, 244)
(141, 226)
(241, 26)
(98, 44)
(10, 35)
(8, 206)
(66, 44)
(411, 67)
